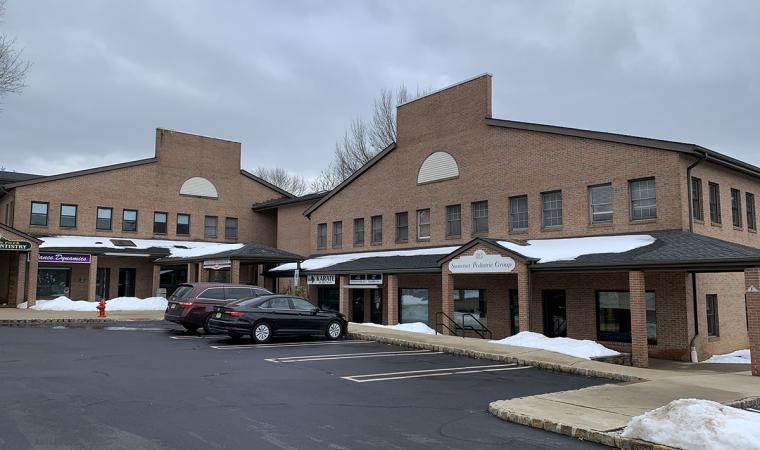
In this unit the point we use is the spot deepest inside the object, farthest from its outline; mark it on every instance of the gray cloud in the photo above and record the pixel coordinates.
(286, 78)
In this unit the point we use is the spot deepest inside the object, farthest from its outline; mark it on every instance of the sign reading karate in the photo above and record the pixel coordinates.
(64, 258)
(320, 279)
(217, 264)
(481, 262)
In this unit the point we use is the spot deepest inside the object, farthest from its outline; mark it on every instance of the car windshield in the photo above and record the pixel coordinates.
(181, 292)
(245, 303)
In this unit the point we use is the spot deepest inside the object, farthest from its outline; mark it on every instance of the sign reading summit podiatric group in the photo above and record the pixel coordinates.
(320, 279)
(65, 258)
(481, 262)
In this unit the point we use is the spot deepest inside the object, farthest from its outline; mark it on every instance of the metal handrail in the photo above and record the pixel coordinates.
(482, 331)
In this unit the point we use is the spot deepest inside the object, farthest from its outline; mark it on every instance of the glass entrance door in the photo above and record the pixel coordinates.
(357, 299)
(376, 305)
(555, 313)
(127, 282)
(103, 282)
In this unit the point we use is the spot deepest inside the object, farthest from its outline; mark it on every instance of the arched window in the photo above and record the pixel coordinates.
(437, 167)
(198, 187)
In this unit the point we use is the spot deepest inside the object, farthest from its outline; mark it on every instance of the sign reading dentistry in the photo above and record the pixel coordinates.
(481, 262)
(17, 246)
(64, 258)
(320, 279)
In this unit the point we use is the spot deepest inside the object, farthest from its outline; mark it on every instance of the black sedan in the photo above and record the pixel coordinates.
(272, 315)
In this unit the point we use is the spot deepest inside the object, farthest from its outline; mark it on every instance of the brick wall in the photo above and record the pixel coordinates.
(293, 229)
(732, 319)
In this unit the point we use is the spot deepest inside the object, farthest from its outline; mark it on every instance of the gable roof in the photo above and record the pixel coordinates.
(276, 203)
(266, 183)
(77, 173)
(19, 233)
(7, 177)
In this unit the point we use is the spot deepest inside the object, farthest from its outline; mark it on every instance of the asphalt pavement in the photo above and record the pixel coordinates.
(151, 386)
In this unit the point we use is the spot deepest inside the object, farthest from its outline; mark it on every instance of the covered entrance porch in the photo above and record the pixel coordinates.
(18, 266)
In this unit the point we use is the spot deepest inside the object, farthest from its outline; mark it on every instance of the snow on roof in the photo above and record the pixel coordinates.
(177, 249)
(321, 262)
(568, 249)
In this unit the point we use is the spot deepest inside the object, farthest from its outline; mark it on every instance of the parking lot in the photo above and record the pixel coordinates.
(150, 385)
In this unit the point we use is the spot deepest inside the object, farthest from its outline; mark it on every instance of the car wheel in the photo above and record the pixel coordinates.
(334, 330)
(206, 326)
(262, 333)
(189, 327)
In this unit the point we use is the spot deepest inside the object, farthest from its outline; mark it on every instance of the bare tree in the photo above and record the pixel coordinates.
(13, 66)
(363, 140)
(293, 183)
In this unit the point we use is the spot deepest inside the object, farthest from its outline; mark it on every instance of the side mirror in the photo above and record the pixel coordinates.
(314, 310)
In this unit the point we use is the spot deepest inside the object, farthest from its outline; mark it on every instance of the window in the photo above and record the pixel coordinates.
(68, 216)
(480, 217)
(337, 234)
(551, 209)
(53, 281)
(714, 193)
(278, 303)
(696, 199)
(301, 304)
(514, 310)
(712, 315)
(230, 228)
(413, 306)
(614, 316)
(322, 235)
(39, 214)
(214, 293)
(329, 299)
(736, 208)
(236, 293)
(159, 222)
(600, 203)
(453, 220)
(183, 223)
(209, 226)
(423, 224)
(751, 217)
(643, 199)
(518, 213)
(470, 307)
(377, 229)
(129, 220)
(402, 227)
(359, 231)
(103, 220)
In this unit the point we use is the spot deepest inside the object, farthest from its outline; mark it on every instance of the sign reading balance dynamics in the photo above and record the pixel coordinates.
(64, 258)
(481, 262)
(320, 279)
(6, 244)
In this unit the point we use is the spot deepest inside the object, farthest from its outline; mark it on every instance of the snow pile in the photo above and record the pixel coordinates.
(177, 249)
(737, 357)
(697, 424)
(330, 260)
(549, 250)
(22, 305)
(63, 303)
(416, 327)
(579, 348)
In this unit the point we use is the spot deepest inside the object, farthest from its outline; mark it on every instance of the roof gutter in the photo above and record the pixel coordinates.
(703, 157)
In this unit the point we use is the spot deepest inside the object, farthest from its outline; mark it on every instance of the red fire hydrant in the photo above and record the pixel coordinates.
(101, 307)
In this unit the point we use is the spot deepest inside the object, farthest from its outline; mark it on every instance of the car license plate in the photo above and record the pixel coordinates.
(218, 315)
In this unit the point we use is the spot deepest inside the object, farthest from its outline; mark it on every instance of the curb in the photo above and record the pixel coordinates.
(46, 322)
(552, 367)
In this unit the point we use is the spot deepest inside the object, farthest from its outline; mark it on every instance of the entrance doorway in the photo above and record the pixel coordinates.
(555, 313)
(103, 282)
(127, 282)
(376, 306)
(357, 299)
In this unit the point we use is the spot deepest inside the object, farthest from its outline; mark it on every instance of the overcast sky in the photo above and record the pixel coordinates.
(286, 78)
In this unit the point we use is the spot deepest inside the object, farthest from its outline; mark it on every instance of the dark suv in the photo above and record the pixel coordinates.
(191, 304)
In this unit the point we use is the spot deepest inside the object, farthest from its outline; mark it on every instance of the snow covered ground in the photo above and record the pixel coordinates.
(115, 304)
(579, 348)
(737, 357)
(697, 424)
(416, 327)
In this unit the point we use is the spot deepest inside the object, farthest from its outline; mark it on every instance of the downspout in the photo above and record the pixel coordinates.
(692, 343)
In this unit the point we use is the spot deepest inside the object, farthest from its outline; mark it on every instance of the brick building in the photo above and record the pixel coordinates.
(486, 226)
(129, 229)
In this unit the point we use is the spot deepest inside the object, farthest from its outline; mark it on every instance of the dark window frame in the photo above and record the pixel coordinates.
(712, 315)
(322, 237)
(749, 200)
(402, 228)
(598, 317)
(178, 224)
(97, 218)
(632, 202)
(518, 217)
(32, 213)
(450, 220)
(591, 205)
(544, 210)
(420, 224)
(714, 201)
(337, 234)
(479, 229)
(206, 227)
(156, 229)
(379, 230)
(124, 221)
(228, 228)
(697, 199)
(359, 231)
(61, 216)
(736, 208)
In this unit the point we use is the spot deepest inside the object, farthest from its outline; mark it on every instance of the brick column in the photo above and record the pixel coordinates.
(21, 277)
(447, 298)
(191, 272)
(202, 273)
(752, 282)
(523, 297)
(344, 299)
(638, 305)
(391, 304)
(31, 283)
(92, 279)
(234, 271)
(156, 282)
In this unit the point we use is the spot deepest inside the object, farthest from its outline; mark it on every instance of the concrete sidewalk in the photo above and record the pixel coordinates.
(21, 317)
(594, 413)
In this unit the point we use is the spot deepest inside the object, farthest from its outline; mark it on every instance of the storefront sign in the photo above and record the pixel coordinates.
(14, 246)
(217, 264)
(481, 262)
(64, 258)
(320, 279)
(365, 279)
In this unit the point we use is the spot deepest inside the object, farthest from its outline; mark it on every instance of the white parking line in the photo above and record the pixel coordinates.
(433, 372)
(293, 344)
(292, 359)
(205, 336)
